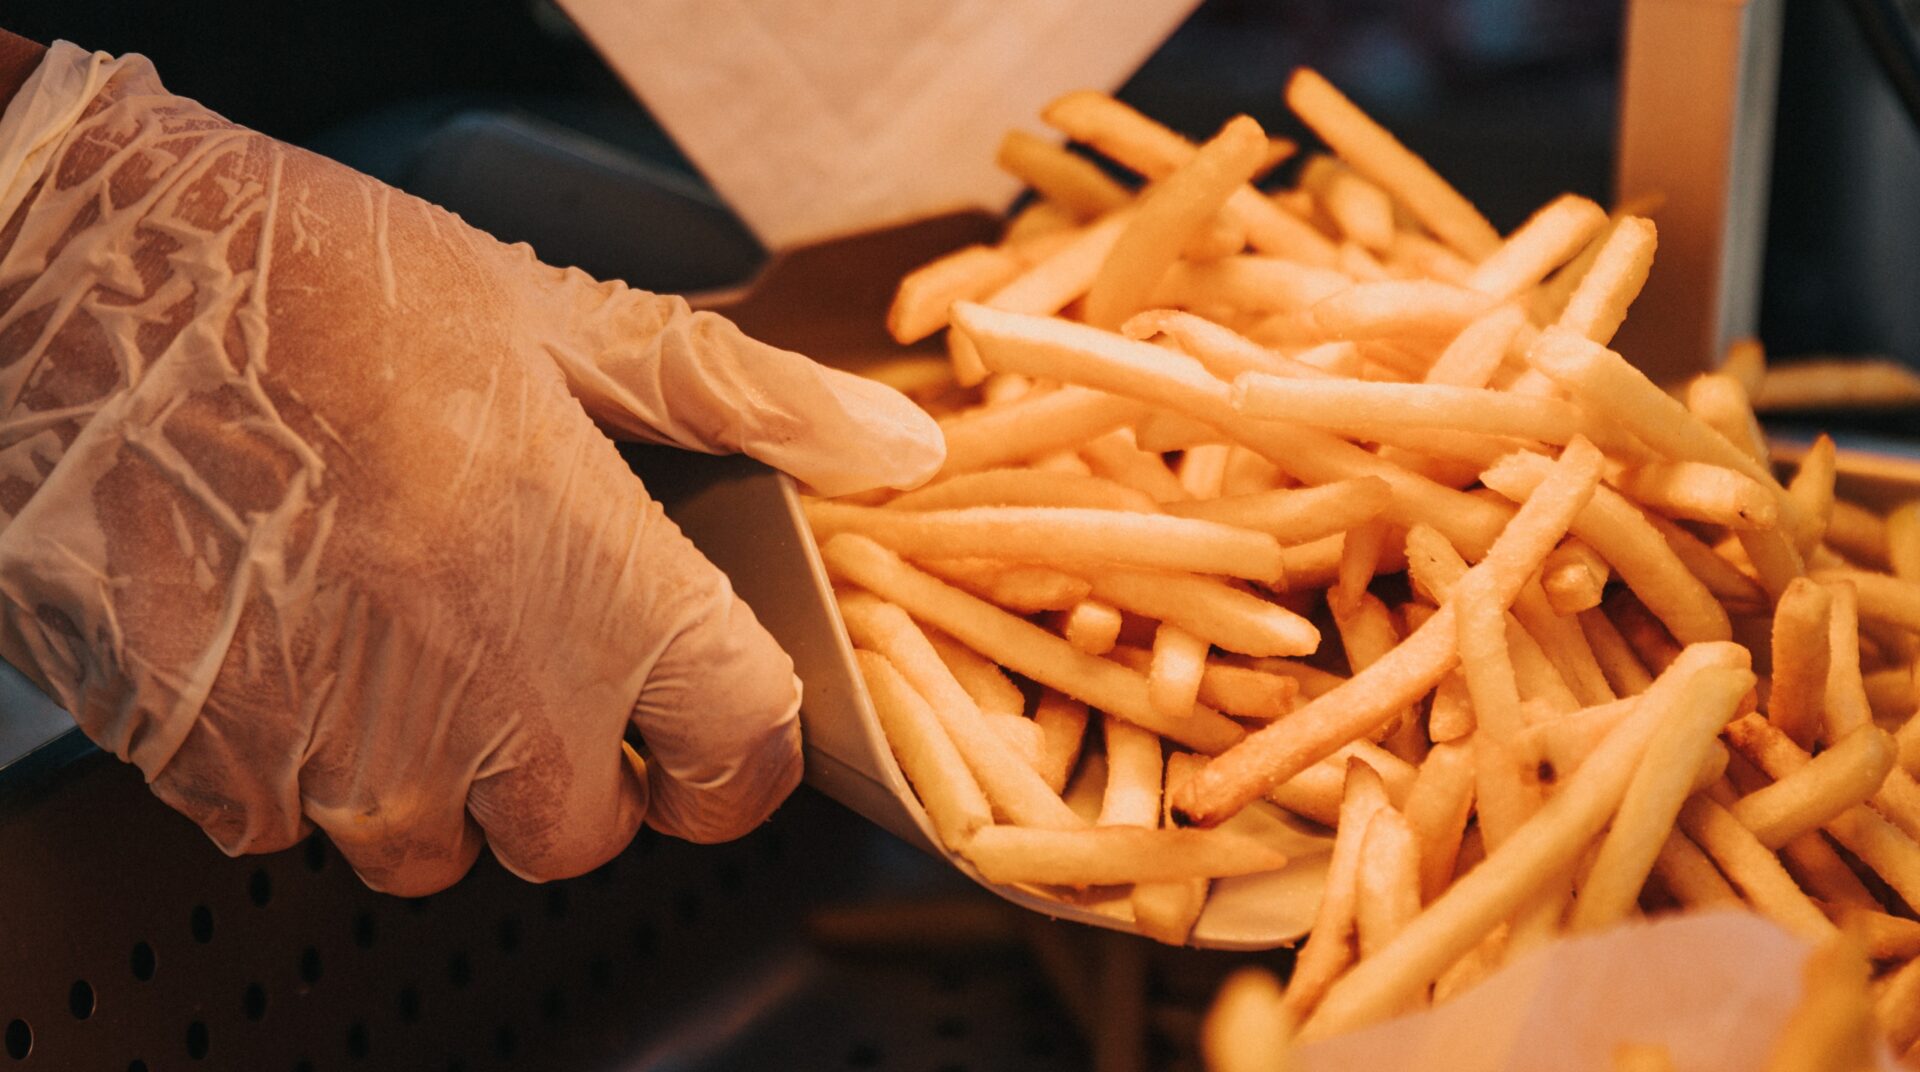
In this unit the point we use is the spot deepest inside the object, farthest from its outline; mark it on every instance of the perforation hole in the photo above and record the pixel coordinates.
(199, 1040)
(253, 1003)
(506, 1041)
(459, 970)
(142, 961)
(303, 1066)
(310, 965)
(863, 1055)
(364, 930)
(314, 853)
(558, 902)
(136, 1065)
(200, 924)
(80, 999)
(359, 1043)
(19, 1040)
(260, 887)
(409, 1004)
(951, 1027)
(553, 1004)
(508, 934)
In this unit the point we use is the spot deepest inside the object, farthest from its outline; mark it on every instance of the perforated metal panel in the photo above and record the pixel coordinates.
(128, 942)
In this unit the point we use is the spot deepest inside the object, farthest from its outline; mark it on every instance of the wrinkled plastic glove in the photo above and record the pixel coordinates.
(306, 506)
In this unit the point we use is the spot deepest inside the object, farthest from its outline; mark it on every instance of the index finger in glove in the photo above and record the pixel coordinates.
(648, 366)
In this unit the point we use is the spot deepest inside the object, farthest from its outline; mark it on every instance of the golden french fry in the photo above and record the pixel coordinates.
(1010, 784)
(1844, 706)
(1134, 773)
(1882, 599)
(1246, 1030)
(1018, 645)
(1031, 426)
(1371, 697)
(1328, 949)
(1025, 589)
(1642, 1057)
(1897, 1010)
(920, 304)
(1900, 541)
(1059, 537)
(1213, 611)
(1167, 911)
(1203, 468)
(1802, 632)
(1690, 875)
(1752, 868)
(1225, 352)
(1377, 155)
(1437, 808)
(1387, 885)
(1092, 626)
(1341, 404)
(1315, 793)
(1812, 492)
(1646, 816)
(1885, 937)
(1598, 303)
(1548, 239)
(1837, 383)
(1024, 487)
(1170, 214)
(1063, 728)
(1114, 855)
(1535, 855)
(1296, 515)
(927, 756)
(1700, 492)
(1573, 577)
(1063, 177)
(1360, 210)
(984, 681)
(1173, 676)
(1251, 283)
(1117, 457)
(1398, 307)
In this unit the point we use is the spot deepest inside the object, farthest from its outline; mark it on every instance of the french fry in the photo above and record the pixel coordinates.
(1225, 352)
(1203, 468)
(1897, 1009)
(1901, 541)
(1167, 911)
(1362, 211)
(1387, 885)
(1885, 599)
(1116, 456)
(1024, 487)
(1812, 492)
(1398, 307)
(1134, 774)
(1861, 535)
(1025, 589)
(1646, 816)
(1598, 303)
(927, 756)
(1548, 239)
(1173, 676)
(1844, 706)
(1700, 492)
(1573, 577)
(1059, 537)
(1642, 1057)
(1064, 178)
(1802, 633)
(1379, 156)
(1810, 797)
(1018, 645)
(1063, 728)
(1839, 383)
(1751, 867)
(1114, 855)
(1328, 948)
(1437, 808)
(1010, 784)
(920, 305)
(1253, 283)
(1296, 515)
(1213, 611)
(985, 682)
(1092, 626)
(1246, 1030)
(1170, 214)
(1315, 793)
(1536, 854)
(1883, 936)
(1374, 695)
(1030, 427)
(1690, 875)
(1341, 404)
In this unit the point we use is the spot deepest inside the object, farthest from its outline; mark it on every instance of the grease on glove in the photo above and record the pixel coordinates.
(305, 511)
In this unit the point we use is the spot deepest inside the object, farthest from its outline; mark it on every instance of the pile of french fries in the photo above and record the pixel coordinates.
(1334, 500)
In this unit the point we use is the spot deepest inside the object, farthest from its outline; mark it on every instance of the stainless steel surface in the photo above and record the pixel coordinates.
(29, 722)
(1696, 111)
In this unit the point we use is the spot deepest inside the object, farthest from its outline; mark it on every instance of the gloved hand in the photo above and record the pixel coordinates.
(304, 509)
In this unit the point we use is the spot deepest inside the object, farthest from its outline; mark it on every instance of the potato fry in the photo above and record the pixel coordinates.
(1118, 458)
(1690, 875)
(1225, 352)
(1063, 728)
(1642, 1057)
(1215, 612)
(1362, 211)
(1837, 383)
(1371, 697)
(1647, 815)
(1700, 492)
(1535, 855)
(1599, 301)
(1398, 307)
(920, 305)
(1134, 774)
(1114, 855)
(1437, 808)
(1844, 706)
(1296, 515)
(1063, 177)
(1882, 599)
(984, 681)
(1802, 632)
(1883, 936)
(1252, 283)
(1897, 1010)
(1573, 577)
(1032, 426)
(1024, 487)
(1060, 537)
(1092, 626)
(1900, 539)
(1025, 589)
(1861, 535)
(1752, 868)
(1167, 911)
(1171, 213)
(1010, 784)
(1173, 677)
(927, 756)
(1341, 404)
(1202, 469)
(1246, 1030)
(1548, 239)
(1328, 948)
(1378, 156)
(1811, 490)
(1387, 885)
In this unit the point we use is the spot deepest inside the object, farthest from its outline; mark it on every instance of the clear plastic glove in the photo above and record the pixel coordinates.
(304, 508)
